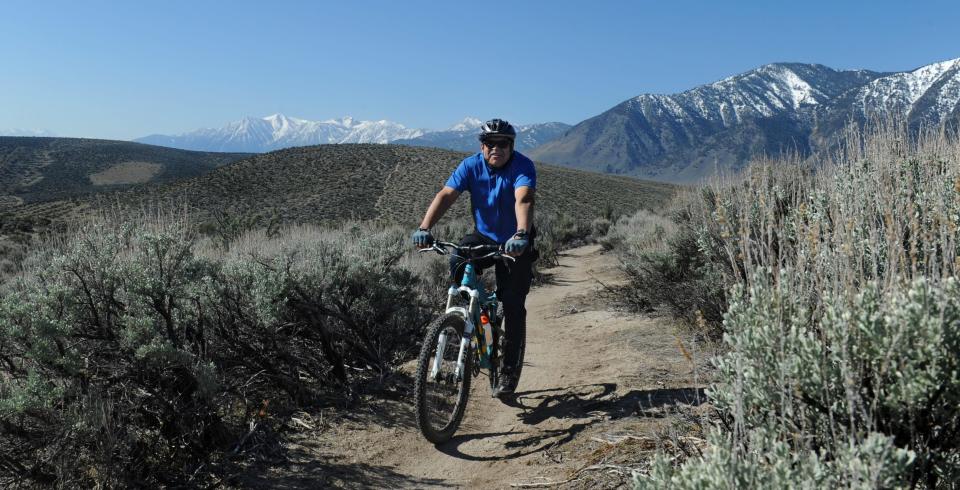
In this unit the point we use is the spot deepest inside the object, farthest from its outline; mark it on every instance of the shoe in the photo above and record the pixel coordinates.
(505, 387)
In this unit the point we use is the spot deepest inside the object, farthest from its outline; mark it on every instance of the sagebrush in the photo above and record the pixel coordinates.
(843, 321)
(139, 352)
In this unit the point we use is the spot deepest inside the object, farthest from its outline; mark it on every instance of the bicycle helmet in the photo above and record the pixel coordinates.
(497, 127)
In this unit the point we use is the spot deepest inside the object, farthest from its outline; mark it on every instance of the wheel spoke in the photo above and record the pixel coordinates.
(441, 397)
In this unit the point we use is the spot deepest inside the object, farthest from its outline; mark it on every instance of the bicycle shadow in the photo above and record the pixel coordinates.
(544, 278)
(584, 405)
(313, 472)
(599, 400)
(532, 444)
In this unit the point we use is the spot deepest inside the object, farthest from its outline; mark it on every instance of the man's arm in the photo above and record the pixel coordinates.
(441, 203)
(524, 207)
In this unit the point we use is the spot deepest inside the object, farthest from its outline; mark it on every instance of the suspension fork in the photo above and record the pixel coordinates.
(468, 327)
(467, 334)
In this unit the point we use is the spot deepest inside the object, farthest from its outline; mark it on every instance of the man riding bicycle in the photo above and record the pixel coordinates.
(502, 183)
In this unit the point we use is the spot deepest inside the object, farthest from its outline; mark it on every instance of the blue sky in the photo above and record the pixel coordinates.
(122, 70)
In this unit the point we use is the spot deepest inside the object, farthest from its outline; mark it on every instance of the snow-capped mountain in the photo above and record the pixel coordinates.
(256, 135)
(781, 107)
(26, 132)
(927, 96)
(902, 91)
(468, 124)
(462, 136)
(765, 92)
(278, 131)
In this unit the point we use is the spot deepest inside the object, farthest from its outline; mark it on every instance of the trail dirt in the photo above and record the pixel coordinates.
(601, 390)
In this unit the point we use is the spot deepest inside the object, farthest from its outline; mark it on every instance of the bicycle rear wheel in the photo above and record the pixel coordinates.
(500, 353)
(441, 398)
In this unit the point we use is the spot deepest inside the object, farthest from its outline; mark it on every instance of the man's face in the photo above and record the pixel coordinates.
(497, 151)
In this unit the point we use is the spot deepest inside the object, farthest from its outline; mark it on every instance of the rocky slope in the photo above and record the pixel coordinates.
(775, 109)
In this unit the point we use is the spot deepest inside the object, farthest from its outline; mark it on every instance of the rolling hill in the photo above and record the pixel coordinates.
(34, 169)
(331, 183)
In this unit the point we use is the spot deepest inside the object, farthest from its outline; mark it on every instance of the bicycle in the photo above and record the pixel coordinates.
(457, 345)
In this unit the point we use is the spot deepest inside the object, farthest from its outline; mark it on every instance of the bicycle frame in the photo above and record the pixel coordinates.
(471, 285)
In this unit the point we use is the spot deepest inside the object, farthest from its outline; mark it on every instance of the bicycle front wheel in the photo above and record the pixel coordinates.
(440, 395)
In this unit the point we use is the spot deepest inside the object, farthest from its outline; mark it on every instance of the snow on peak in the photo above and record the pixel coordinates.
(791, 87)
(280, 123)
(346, 122)
(257, 134)
(900, 91)
(921, 79)
(26, 132)
(786, 87)
(467, 124)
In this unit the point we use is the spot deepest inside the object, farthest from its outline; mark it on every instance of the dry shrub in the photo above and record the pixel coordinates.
(844, 322)
(671, 264)
(137, 353)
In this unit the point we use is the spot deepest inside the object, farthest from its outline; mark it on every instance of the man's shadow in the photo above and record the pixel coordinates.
(584, 404)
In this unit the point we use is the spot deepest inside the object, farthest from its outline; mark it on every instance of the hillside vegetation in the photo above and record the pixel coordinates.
(36, 169)
(836, 295)
(138, 353)
(331, 183)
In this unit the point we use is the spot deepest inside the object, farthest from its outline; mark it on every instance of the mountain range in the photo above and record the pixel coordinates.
(258, 135)
(26, 132)
(463, 136)
(775, 109)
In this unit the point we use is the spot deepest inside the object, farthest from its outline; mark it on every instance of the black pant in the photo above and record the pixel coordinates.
(513, 284)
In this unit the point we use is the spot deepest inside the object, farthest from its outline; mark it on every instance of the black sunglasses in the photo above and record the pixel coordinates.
(494, 143)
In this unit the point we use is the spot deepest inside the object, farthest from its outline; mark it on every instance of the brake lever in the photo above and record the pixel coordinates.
(433, 248)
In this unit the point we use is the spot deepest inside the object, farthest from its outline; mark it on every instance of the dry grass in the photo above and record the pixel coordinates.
(127, 173)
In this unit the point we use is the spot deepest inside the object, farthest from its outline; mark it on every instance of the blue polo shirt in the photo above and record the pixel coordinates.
(492, 192)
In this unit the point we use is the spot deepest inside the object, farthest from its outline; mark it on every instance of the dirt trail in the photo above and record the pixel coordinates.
(590, 374)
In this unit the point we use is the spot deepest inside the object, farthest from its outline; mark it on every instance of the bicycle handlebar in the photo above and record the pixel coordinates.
(496, 251)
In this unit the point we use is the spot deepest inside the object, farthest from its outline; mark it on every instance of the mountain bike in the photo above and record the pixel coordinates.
(465, 339)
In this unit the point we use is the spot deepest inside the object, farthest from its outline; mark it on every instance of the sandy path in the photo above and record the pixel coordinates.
(585, 367)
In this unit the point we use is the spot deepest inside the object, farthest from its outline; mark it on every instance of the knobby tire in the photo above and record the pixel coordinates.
(439, 423)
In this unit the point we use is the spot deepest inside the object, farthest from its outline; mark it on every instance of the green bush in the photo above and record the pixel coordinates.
(874, 378)
(136, 355)
(104, 350)
(667, 266)
(553, 230)
(764, 461)
(556, 231)
(844, 322)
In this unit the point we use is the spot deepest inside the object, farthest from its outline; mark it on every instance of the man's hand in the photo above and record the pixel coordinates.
(517, 243)
(422, 238)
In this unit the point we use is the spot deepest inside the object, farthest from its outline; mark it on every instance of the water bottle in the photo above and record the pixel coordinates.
(487, 333)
